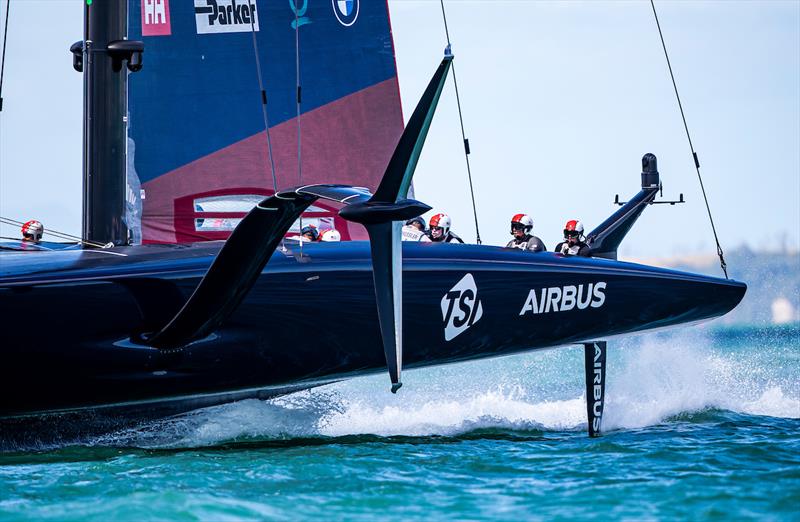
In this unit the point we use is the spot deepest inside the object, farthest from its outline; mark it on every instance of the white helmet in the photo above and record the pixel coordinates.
(442, 221)
(330, 235)
(521, 220)
(573, 228)
(32, 230)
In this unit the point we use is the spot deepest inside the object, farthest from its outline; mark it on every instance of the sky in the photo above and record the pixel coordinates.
(560, 101)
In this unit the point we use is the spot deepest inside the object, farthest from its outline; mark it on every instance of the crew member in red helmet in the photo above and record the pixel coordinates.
(32, 231)
(573, 244)
(521, 227)
(330, 235)
(440, 230)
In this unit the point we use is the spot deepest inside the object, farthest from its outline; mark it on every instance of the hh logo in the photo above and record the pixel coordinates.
(461, 308)
(155, 18)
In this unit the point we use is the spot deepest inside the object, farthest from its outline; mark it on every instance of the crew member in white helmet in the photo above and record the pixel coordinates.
(573, 244)
(32, 231)
(414, 230)
(521, 226)
(330, 235)
(440, 230)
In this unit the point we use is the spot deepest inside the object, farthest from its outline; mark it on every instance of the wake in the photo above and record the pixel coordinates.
(652, 379)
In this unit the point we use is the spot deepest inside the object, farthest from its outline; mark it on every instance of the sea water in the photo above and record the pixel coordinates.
(702, 423)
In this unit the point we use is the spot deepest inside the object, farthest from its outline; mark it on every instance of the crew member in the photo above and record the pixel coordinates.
(573, 244)
(414, 230)
(32, 231)
(440, 230)
(521, 226)
(330, 235)
(309, 233)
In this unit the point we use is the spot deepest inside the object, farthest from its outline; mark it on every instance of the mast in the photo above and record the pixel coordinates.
(100, 57)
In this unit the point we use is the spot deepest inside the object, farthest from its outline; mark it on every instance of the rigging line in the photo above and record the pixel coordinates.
(62, 235)
(2, 73)
(299, 91)
(721, 255)
(3, 58)
(263, 99)
(56, 233)
(3, 68)
(463, 133)
(298, 100)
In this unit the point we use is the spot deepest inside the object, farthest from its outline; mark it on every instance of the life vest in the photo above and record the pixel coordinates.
(529, 243)
(578, 249)
(411, 233)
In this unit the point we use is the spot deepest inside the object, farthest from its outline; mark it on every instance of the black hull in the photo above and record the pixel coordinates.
(309, 320)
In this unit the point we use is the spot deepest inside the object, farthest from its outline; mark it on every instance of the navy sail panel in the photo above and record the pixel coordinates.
(196, 127)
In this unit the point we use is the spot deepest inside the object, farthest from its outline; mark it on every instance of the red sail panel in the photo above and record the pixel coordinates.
(197, 145)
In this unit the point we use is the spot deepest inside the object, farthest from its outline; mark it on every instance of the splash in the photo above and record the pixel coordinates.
(665, 376)
(651, 380)
(492, 409)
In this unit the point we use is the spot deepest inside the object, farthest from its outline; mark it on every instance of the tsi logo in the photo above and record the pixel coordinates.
(564, 298)
(461, 307)
(346, 11)
(225, 16)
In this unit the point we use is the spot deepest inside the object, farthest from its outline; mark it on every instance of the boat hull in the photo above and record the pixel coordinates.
(309, 319)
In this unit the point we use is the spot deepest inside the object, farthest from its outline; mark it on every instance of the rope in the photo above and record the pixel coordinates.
(13, 222)
(263, 99)
(3, 70)
(56, 233)
(3, 59)
(299, 92)
(721, 255)
(461, 121)
(297, 105)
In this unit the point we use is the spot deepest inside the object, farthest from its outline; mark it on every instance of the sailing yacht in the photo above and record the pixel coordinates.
(208, 138)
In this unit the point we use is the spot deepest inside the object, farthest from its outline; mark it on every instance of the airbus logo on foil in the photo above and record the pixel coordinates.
(461, 308)
(597, 389)
(225, 16)
(564, 298)
(346, 11)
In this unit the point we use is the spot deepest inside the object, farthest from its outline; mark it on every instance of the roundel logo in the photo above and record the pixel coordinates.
(346, 11)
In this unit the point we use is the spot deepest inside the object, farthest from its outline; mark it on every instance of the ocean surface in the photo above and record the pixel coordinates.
(700, 423)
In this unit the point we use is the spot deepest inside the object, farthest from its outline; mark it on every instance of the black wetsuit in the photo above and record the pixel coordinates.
(528, 243)
(578, 249)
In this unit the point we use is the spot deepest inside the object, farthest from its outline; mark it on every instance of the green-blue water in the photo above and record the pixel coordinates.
(700, 424)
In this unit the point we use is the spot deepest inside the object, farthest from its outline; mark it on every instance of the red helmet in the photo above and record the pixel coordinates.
(441, 221)
(33, 230)
(521, 220)
(573, 228)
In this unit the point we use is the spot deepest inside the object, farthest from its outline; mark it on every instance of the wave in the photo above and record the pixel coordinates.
(652, 380)
(669, 375)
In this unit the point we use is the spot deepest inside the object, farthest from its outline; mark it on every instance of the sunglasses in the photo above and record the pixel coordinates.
(571, 233)
(517, 226)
